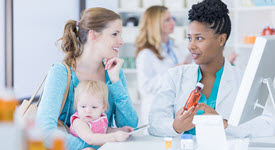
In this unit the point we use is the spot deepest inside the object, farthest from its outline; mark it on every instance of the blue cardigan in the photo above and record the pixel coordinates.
(120, 109)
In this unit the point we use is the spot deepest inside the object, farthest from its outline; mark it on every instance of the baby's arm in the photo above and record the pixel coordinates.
(125, 129)
(82, 129)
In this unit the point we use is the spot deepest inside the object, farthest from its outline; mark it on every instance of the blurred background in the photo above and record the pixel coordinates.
(30, 28)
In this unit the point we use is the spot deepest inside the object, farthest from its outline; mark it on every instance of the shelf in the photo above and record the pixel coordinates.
(257, 8)
(129, 71)
(129, 34)
(136, 27)
(142, 10)
(179, 10)
(125, 10)
(248, 46)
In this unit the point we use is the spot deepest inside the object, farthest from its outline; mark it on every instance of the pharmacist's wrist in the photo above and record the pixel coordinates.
(176, 129)
(225, 122)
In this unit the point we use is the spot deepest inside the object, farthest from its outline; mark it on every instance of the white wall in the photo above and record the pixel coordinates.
(109, 4)
(2, 46)
(37, 26)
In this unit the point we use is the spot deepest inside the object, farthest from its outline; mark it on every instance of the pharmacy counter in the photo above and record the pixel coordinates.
(147, 142)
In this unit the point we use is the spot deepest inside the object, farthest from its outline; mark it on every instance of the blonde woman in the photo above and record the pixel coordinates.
(156, 53)
(86, 43)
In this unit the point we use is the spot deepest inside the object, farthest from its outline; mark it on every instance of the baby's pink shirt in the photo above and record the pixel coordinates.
(98, 126)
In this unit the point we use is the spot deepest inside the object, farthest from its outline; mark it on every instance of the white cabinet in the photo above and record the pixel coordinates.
(249, 21)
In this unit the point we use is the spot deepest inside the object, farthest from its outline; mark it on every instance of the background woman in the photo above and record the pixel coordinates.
(156, 53)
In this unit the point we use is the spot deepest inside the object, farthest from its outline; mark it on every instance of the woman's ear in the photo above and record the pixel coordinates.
(222, 39)
(93, 34)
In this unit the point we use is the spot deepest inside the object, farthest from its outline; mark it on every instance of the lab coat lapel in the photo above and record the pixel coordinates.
(225, 84)
(190, 79)
(187, 84)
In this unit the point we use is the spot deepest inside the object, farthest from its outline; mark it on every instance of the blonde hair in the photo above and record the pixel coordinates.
(150, 30)
(97, 88)
(73, 39)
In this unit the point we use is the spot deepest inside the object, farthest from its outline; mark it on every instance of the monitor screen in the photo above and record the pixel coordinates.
(253, 93)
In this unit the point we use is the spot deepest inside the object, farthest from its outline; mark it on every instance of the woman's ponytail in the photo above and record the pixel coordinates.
(70, 44)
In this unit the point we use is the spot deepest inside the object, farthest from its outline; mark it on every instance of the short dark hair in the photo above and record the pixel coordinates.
(213, 12)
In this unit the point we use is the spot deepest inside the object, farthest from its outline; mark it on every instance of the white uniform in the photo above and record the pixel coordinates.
(178, 84)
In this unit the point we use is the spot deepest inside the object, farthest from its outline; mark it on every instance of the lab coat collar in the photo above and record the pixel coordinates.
(225, 84)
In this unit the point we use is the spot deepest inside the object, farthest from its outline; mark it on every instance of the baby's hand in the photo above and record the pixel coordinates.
(120, 136)
(126, 129)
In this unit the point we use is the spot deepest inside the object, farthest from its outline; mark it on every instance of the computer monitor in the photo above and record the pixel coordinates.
(257, 82)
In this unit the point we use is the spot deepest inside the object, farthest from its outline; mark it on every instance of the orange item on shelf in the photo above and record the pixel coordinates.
(251, 39)
(7, 110)
(1, 109)
(194, 97)
(58, 144)
(35, 145)
(246, 40)
(254, 39)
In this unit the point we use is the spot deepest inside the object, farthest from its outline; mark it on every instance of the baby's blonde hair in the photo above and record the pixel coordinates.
(97, 88)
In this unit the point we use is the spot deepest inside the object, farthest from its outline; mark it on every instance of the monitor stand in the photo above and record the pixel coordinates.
(271, 90)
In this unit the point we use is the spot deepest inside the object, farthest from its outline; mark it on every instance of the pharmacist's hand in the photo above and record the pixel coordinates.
(183, 119)
(120, 136)
(210, 111)
(113, 67)
(232, 57)
(207, 109)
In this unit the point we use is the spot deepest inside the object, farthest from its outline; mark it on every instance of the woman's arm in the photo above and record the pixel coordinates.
(48, 110)
(125, 114)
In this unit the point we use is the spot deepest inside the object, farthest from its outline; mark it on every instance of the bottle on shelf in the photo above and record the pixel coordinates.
(194, 97)
(268, 31)
(8, 103)
(58, 141)
(34, 136)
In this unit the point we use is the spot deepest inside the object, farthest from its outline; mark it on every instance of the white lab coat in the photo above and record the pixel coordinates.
(149, 73)
(178, 84)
